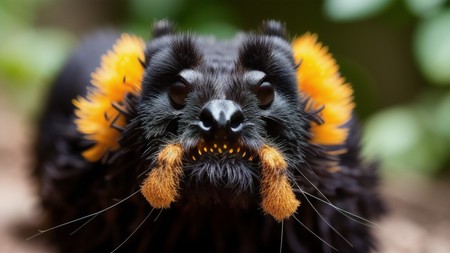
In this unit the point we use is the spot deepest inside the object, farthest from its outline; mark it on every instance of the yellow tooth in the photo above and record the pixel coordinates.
(212, 150)
(250, 158)
(243, 155)
(215, 145)
(231, 151)
(225, 146)
(193, 158)
(238, 149)
(220, 150)
(199, 152)
(205, 149)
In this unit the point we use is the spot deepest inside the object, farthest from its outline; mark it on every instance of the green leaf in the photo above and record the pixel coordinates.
(350, 10)
(401, 140)
(149, 10)
(391, 132)
(424, 8)
(443, 117)
(432, 48)
(32, 54)
(29, 59)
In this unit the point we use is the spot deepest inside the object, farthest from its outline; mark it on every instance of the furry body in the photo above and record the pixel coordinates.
(217, 207)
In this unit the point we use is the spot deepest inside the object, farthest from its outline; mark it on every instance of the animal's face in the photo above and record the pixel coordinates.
(218, 132)
(235, 122)
(222, 101)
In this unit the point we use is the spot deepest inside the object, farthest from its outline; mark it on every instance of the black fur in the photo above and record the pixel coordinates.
(218, 209)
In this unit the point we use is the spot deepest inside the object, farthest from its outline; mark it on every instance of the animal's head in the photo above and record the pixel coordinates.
(234, 122)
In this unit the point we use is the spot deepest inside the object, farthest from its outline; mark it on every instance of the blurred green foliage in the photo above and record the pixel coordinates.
(414, 137)
(207, 17)
(396, 53)
(431, 47)
(351, 10)
(29, 56)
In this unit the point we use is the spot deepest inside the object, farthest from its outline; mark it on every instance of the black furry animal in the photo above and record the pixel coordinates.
(196, 92)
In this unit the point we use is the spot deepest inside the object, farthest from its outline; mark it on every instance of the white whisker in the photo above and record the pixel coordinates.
(157, 216)
(134, 231)
(344, 212)
(281, 240)
(82, 218)
(340, 210)
(143, 173)
(84, 224)
(318, 237)
(320, 215)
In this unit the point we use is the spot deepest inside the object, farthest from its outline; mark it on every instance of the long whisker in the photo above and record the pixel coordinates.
(84, 224)
(343, 212)
(82, 218)
(143, 173)
(311, 183)
(318, 237)
(346, 213)
(281, 241)
(134, 231)
(320, 215)
(157, 216)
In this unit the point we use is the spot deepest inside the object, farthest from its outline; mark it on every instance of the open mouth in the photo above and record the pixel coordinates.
(221, 149)
(161, 187)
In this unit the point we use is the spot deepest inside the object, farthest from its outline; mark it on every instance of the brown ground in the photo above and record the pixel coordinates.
(419, 220)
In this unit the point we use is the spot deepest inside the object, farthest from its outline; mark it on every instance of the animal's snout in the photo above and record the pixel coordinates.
(221, 119)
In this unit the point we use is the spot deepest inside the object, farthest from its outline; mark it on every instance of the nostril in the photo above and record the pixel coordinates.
(204, 126)
(236, 121)
(206, 120)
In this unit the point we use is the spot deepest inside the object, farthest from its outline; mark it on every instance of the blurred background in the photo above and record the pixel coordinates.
(396, 54)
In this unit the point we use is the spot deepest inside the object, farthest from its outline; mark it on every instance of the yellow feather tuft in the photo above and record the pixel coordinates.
(119, 74)
(320, 81)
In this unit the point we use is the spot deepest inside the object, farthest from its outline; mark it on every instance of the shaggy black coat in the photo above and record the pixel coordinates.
(218, 209)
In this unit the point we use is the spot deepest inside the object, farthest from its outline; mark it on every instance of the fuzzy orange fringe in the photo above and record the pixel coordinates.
(120, 73)
(319, 80)
(278, 199)
(162, 184)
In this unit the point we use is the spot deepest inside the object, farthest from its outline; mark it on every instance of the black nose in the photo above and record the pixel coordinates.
(221, 119)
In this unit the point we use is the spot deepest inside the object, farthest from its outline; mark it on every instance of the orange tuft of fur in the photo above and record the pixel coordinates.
(119, 74)
(320, 81)
(278, 199)
(161, 186)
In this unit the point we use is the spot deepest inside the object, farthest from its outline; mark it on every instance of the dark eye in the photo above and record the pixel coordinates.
(265, 94)
(178, 92)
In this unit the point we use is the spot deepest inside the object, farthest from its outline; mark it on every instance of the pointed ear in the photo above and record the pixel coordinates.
(274, 28)
(162, 27)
